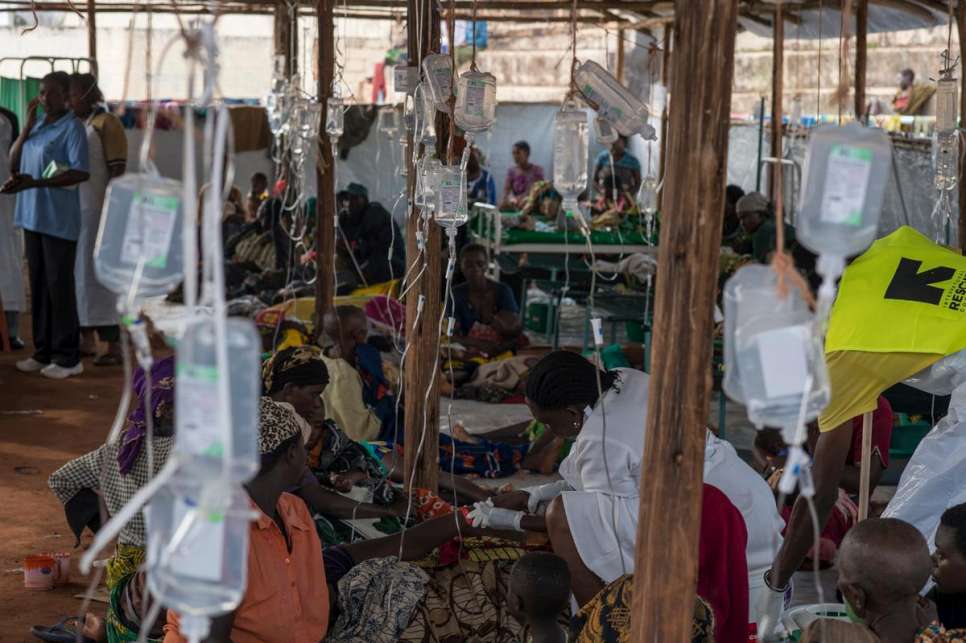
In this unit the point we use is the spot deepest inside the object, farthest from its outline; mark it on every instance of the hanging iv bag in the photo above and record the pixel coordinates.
(613, 101)
(141, 224)
(438, 70)
(570, 154)
(427, 182)
(197, 551)
(424, 115)
(276, 103)
(309, 119)
(451, 211)
(946, 145)
(208, 441)
(773, 358)
(845, 176)
(475, 101)
(387, 122)
(334, 118)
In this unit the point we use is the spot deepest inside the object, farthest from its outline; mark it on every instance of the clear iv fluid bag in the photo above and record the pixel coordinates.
(205, 439)
(946, 160)
(424, 115)
(475, 101)
(771, 350)
(388, 121)
(204, 572)
(438, 70)
(947, 105)
(846, 172)
(613, 101)
(141, 221)
(451, 210)
(309, 119)
(334, 118)
(647, 196)
(570, 151)
(427, 182)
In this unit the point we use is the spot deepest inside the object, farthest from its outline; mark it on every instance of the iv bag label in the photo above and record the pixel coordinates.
(475, 97)
(199, 426)
(450, 193)
(149, 235)
(199, 554)
(846, 182)
(784, 363)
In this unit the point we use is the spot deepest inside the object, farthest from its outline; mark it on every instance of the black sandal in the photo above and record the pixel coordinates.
(63, 632)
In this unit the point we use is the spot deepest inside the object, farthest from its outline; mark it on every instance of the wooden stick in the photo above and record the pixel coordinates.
(92, 34)
(665, 80)
(866, 468)
(961, 28)
(285, 39)
(421, 451)
(777, 96)
(861, 56)
(325, 207)
(666, 560)
(620, 55)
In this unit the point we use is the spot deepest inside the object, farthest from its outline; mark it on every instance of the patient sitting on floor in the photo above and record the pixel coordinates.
(883, 564)
(539, 593)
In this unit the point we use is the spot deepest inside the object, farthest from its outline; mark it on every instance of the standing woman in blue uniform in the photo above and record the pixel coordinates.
(47, 161)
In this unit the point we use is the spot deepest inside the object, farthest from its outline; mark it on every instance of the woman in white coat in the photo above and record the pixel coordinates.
(107, 149)
(592, 513)
(11, 242)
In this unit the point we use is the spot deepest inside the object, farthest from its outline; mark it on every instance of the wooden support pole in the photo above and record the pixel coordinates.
(865, 466)
(325, 208)
(92, 34)
(961, 28)
(665, 80)
(666, 560)
(285, 35)
(420, 382)
(861, 56)
(621, 34)
(777, 96)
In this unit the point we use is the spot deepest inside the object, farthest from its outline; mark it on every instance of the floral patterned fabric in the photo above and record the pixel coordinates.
(607, 617)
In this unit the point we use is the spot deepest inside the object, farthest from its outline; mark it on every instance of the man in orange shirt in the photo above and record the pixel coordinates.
(287, 597)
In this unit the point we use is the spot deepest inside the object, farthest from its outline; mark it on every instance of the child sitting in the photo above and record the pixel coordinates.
(949, 570)
(883, 564)
(539, 593)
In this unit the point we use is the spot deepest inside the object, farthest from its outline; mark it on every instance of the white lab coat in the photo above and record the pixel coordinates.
(96, 305)
(11, 238)
(751, 495)
(602, 510)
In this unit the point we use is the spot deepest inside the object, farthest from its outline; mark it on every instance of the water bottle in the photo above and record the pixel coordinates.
(197, 551)
(205, 438)
(846, 172)
(141, 223)
(613, 101)
(773, 358)
(570, 153)
(438, 70)
(475, 101)
(451, 210)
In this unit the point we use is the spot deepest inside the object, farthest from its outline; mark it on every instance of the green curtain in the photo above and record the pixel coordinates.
(15, 94)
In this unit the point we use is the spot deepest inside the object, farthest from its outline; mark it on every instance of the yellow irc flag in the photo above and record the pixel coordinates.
(904, 295)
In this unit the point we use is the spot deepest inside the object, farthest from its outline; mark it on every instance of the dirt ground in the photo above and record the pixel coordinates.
(43, 423)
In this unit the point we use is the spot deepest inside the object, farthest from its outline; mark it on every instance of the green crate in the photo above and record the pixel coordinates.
(906, 436)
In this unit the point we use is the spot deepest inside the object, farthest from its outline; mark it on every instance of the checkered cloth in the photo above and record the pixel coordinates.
(86, 472)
